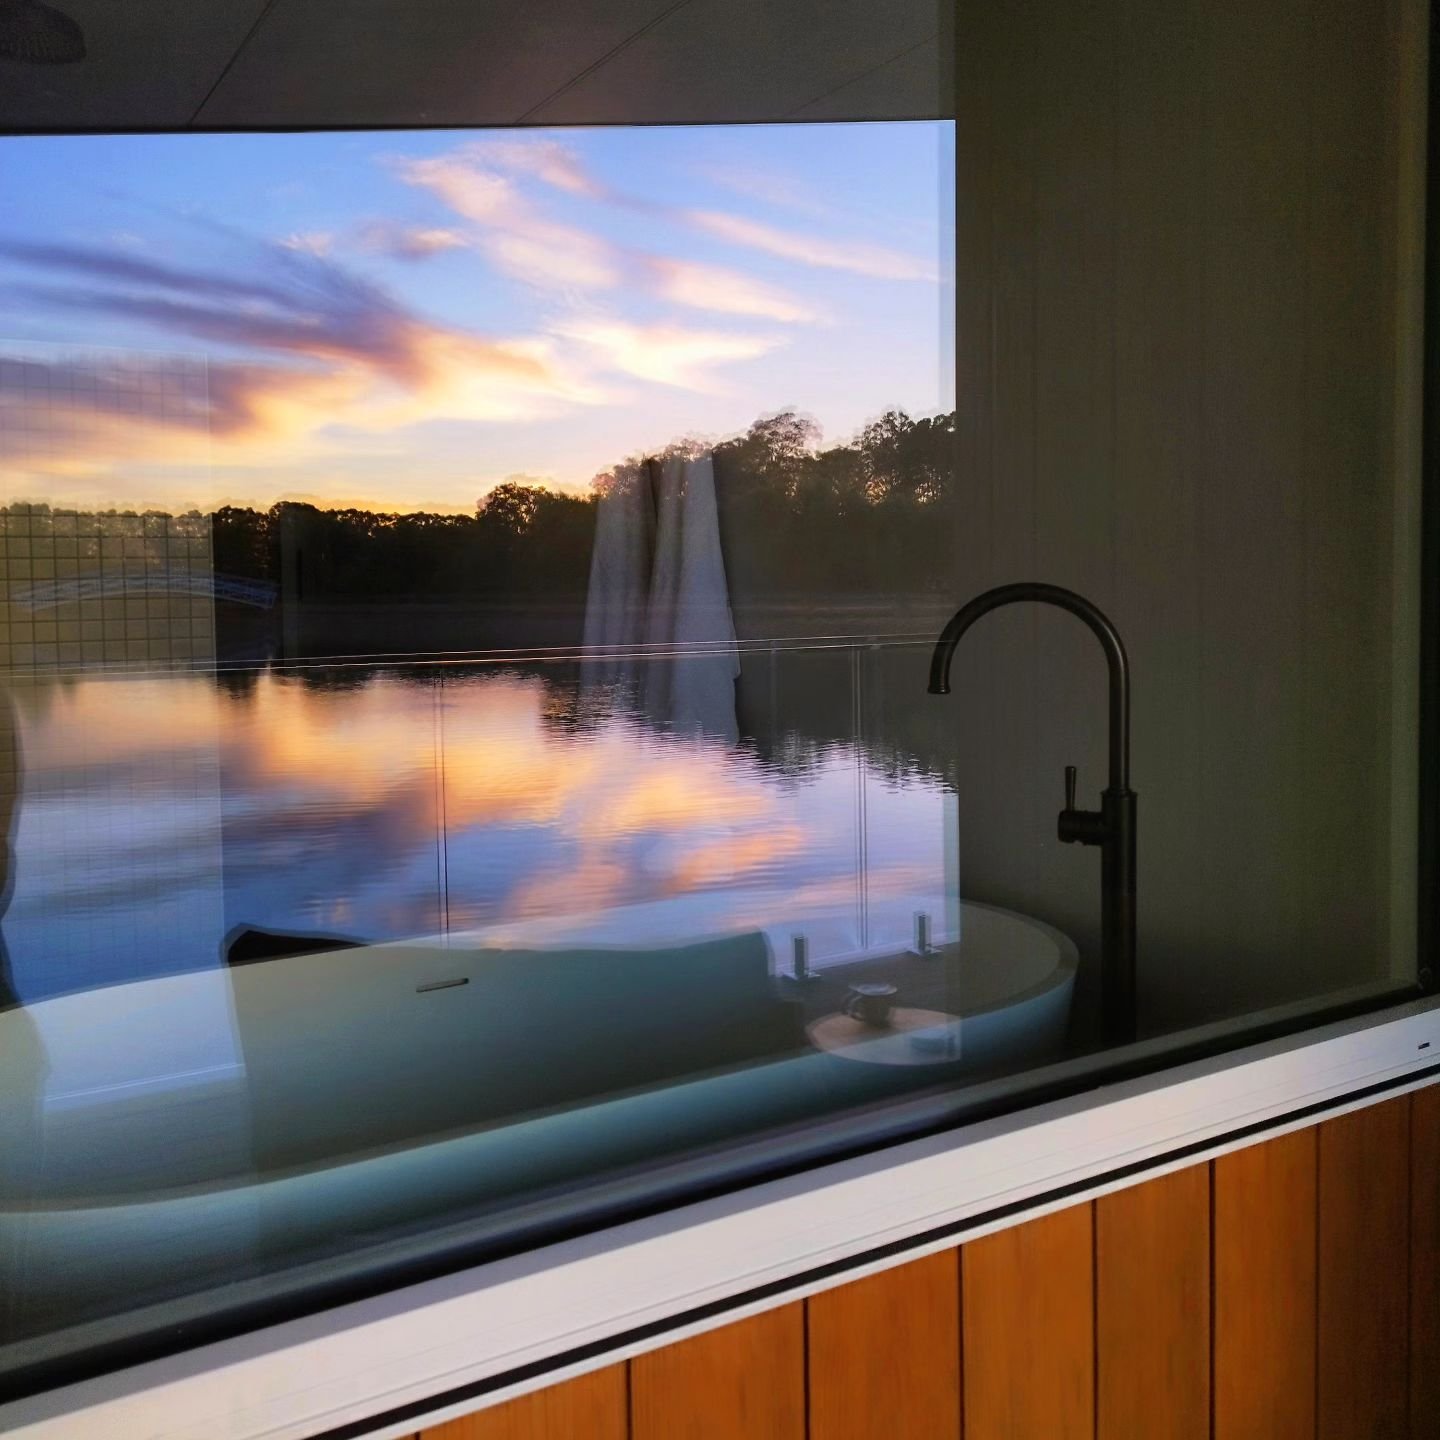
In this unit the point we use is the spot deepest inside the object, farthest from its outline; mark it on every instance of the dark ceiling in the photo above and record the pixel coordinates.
(222, 64)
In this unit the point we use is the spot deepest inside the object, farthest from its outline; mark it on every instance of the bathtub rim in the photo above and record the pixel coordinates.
(1060, 977)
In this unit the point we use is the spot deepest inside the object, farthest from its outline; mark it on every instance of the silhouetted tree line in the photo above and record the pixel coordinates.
(523, 539)
(865, 516)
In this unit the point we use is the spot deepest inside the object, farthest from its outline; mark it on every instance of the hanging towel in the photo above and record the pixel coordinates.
(617, 601)
(689, 630)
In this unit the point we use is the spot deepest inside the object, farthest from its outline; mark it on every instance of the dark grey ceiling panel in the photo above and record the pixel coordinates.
(418, 62)
(148, 63)
(749, 60)
(243, 63)
(914, 85)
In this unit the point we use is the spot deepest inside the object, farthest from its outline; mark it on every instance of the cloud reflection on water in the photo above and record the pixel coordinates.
(160, 812)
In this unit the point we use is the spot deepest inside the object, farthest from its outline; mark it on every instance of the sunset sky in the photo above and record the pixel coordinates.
(404, 319)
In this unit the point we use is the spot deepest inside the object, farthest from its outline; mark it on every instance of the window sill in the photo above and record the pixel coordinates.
(417, 1355)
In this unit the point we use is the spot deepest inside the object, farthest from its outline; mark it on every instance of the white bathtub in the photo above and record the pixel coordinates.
(197, 1131)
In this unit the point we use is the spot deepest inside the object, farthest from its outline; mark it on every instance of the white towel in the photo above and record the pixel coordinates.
(692, 688)
(617, 601)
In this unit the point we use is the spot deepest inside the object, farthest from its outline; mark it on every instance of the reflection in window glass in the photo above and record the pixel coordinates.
(468, 608)
(449, 580)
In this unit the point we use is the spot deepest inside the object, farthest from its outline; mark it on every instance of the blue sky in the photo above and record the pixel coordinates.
(404, 319)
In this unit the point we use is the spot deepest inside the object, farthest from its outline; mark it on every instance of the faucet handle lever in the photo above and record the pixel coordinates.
(1079, 827)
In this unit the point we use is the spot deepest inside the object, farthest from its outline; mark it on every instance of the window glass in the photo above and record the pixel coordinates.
(474, 753)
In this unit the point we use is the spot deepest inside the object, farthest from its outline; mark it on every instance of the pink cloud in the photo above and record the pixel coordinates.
(786, 192)
(728, 292)
(410, 242)
(314, 347)
(666, 354)
(550, 161)
(518, 239)
(877, 261)
(482, 183)
(310, 242)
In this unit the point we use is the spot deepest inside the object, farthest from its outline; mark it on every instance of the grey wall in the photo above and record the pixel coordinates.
(1186, 251)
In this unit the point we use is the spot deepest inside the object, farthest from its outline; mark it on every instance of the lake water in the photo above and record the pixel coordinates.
(159, 812)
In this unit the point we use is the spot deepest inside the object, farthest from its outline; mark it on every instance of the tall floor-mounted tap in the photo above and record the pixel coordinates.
(1112, 826)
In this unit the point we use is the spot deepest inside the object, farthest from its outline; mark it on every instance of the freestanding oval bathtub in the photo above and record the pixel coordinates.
(271, 1125)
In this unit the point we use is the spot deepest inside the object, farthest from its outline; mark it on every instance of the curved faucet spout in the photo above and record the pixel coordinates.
(1112, 827)
(1077, 605)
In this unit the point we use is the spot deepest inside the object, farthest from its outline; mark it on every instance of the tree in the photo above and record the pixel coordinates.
(511, 507)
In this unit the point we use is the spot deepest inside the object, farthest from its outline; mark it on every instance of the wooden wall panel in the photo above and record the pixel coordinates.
(885, 1354)
(1364, 1258)
(1027, 1321)
(1264, 1257)
(741, 1381)
(1152, 1309)
(1425, 1263)
(1289, 1291)
(593, 1405)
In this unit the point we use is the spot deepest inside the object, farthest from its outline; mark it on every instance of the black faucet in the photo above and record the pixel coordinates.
(1112, 826)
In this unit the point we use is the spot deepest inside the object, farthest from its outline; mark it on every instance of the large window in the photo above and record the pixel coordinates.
(470, 599)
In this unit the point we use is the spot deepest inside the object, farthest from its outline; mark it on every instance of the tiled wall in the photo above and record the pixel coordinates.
(90, 585)
(83, 589)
